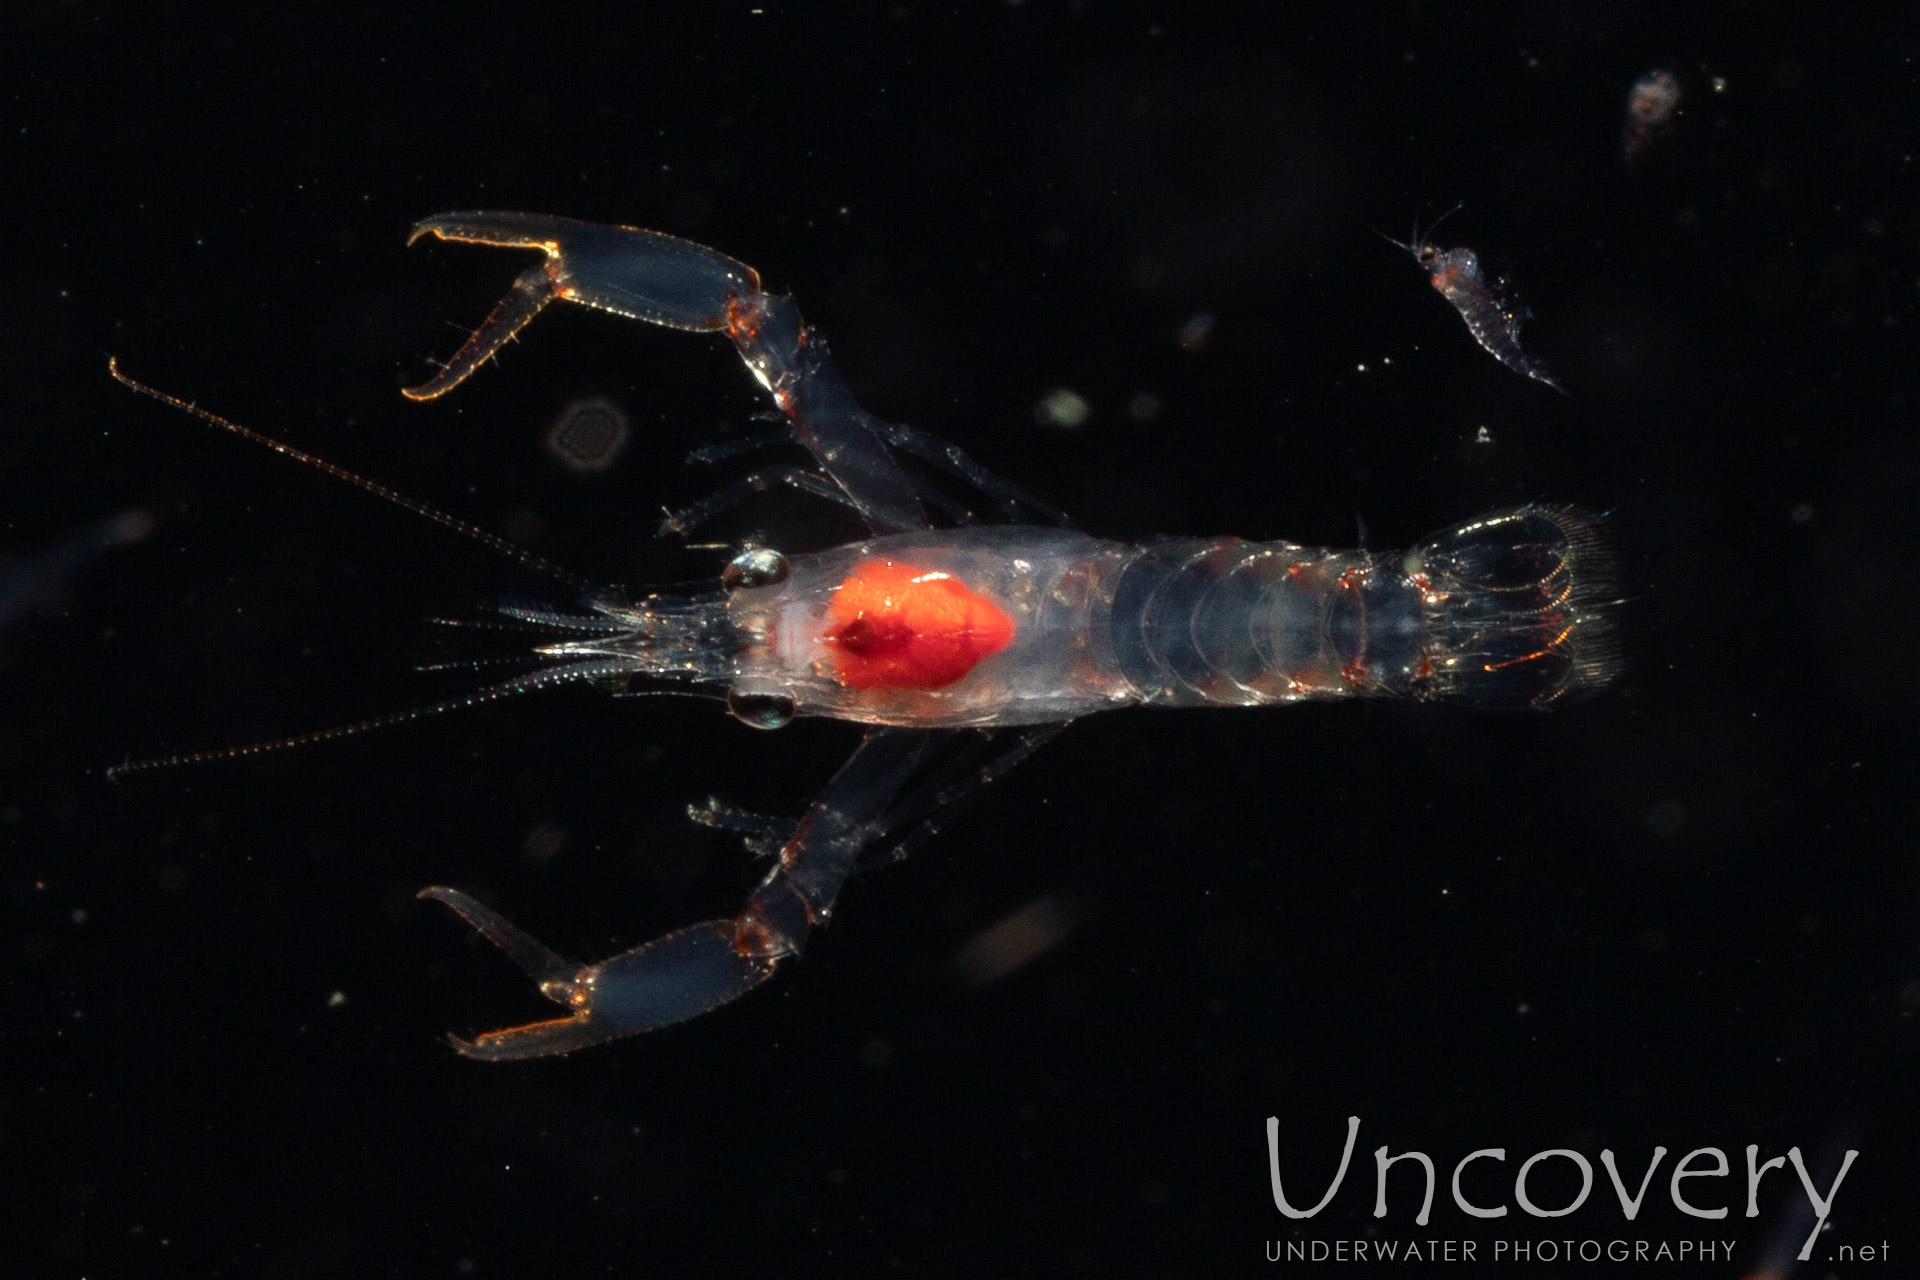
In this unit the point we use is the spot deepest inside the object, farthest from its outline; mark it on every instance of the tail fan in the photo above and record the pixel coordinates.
(1519, 608)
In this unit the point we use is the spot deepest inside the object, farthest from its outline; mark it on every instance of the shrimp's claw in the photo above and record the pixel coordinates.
(645, 275)
(664, 280)
(686, 973)
(697, 969)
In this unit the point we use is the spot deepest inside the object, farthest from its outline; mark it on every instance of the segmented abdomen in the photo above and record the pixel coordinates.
(1511, 609)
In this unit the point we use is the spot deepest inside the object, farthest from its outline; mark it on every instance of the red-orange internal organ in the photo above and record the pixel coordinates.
(898, 627)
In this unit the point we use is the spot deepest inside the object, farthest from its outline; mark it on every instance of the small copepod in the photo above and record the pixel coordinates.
(1491, 319)
(1651, 103)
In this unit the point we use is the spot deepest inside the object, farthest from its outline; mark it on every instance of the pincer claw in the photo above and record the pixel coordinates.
(668, 980)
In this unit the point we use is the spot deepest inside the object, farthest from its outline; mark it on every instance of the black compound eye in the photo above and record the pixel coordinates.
(754, 567)
(761, 710)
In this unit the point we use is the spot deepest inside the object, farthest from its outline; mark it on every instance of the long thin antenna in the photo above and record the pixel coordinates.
(1419, 241)
(479, 697)
(418, 508)
(580, 626)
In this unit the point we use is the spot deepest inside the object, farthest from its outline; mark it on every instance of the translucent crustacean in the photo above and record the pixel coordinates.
(964, 648)
(1494, 322)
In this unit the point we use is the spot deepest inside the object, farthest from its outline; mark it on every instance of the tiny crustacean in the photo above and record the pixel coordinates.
(1493, 321)
(964, 648)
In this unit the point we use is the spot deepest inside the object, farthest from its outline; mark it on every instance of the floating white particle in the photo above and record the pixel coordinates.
(1063, 409)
